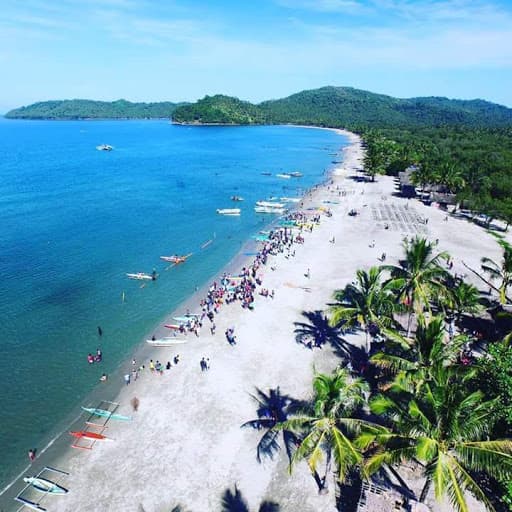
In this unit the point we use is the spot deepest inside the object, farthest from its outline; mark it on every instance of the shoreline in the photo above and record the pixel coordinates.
(58, 447)
(184, 445)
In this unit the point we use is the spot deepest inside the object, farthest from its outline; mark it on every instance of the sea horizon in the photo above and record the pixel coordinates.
(67, 299)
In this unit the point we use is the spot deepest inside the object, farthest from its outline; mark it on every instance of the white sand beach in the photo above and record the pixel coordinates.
(184, 445)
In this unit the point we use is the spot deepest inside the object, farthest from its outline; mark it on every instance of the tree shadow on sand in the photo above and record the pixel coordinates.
(235, 502)
(317, 332)
(273, 408)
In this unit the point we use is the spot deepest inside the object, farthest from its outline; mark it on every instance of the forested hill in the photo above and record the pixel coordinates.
(89, 109)
(346, 107)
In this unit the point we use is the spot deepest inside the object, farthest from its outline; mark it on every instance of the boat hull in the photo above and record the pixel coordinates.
(45, 486)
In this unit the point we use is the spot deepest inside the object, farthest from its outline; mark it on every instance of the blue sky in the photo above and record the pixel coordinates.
(145, 50)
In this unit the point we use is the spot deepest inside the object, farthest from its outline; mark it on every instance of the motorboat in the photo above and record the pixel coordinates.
(269, 204)
(104, 147)
(236, 198)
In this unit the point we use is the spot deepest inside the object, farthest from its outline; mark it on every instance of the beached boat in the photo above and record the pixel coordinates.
(228, 211)
(269, 204)
(236, 198)
(106, 414)
(266, 209)
(166, 342)
(141, 276)
(285, 176)
(89, 435)
(43, 485)
(104, 147)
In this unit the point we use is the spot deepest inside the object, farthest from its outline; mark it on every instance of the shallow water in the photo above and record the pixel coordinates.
(74, 220)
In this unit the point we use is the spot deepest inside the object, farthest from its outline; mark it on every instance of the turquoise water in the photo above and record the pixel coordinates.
(74, 220)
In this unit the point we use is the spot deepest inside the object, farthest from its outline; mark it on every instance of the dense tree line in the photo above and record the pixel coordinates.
(88, 109)
(473, 163)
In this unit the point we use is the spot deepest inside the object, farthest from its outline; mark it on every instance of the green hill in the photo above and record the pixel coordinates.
(346, 107)
(220, 109)
(89, 109)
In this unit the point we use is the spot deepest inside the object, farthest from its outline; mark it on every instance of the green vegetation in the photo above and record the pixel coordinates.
(420, 396)
(88, 109)
(345, 107)
(219, 110)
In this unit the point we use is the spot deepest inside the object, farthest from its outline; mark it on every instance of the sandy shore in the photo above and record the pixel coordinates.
(185, 445)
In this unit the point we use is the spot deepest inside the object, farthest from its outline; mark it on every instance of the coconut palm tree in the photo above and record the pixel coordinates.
(500, 271)
(419, 277)
(447, 428)
(414, 362)
(326, 430)
(461, 298)
(451, 177)
(365, 303)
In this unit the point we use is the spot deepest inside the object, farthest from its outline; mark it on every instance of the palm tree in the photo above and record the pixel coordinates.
(451, 177)
(501, 271)
(273, 408)
(461, 298)
(364, 303)
(416, 362)
(327, 428)
(447, 428)
(419, 277)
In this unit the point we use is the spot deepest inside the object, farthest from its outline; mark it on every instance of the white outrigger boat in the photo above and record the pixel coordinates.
(267, 209)
(43, 485)
(269, 204)
(283, 175)
(291, 199)
(167, 342)
(141, 276)
(228, 211)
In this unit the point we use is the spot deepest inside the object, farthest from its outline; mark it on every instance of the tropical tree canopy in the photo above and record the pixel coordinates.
(448, 428)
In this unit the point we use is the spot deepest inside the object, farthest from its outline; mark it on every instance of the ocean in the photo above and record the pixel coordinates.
(74, 221)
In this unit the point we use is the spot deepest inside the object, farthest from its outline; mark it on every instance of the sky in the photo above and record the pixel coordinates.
(178, 50)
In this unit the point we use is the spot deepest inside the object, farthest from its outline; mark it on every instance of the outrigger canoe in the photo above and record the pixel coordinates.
(106, 414)
(166, 342)
(44, 485)
(88, 435)
(175, 258)
(141, 276)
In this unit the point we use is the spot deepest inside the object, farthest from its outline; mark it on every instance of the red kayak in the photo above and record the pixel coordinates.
(90, 435)
(172, 326)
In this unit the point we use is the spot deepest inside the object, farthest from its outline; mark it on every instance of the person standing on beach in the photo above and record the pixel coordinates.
(127, 378)
(32, 454)
(203, 364)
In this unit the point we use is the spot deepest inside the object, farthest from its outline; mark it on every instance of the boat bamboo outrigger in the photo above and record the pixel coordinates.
(40, 486)
(175, 258)
(141, 276)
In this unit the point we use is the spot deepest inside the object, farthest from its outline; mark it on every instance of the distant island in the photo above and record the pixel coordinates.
(90, 109)
(345, 107)
(328, 106)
